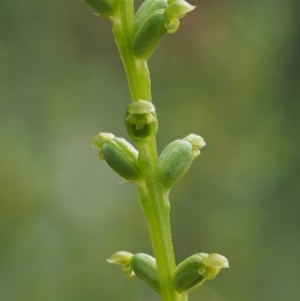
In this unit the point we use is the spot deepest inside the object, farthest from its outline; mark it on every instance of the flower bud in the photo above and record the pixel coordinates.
(144, 267)
(140, 120)
(104, 8)
(174, 162)
(148, 34)
(186, 274)
(194, 270)
(146, 9)
(120, 155)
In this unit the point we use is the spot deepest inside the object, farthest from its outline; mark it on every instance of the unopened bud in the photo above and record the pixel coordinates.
(193, 271)
(146, 9)
(186, 275)
(174, 162)
(149, 34)
(144, 267)
(119, 154)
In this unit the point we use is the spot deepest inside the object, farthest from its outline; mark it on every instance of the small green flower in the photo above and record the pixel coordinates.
(140, 120)
(140, 113)
(193, 271)
(141, 265)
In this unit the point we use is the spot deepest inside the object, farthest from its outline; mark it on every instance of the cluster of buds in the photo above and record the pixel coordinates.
(173, 163)
(152, 21)
(141, 124)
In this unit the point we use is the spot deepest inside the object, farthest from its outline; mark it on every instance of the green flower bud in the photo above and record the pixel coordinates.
(194, 270)
(178, 9)
(104, 8)
(186, 275)
(120, 155)
(176, 159)
(174, 162)
(146, 9)
(148, 34)
(140, 120)
(144, 267)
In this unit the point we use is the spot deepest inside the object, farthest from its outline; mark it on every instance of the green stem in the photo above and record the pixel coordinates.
(156, 211)
(152, 199)
(136, 71)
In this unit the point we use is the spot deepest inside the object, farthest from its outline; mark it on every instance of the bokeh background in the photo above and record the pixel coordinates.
(230, 74)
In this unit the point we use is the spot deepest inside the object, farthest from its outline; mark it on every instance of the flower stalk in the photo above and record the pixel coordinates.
(136, 36)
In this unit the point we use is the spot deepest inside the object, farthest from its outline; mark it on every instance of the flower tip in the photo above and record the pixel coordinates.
(141, 107)
(101, 139)
(121, 257)
(216, 261)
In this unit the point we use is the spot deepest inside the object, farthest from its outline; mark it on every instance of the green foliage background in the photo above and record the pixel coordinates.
(230, 74)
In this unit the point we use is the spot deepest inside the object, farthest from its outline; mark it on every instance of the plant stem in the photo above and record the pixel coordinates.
(156, 211)
(151, 196)
(136, 71)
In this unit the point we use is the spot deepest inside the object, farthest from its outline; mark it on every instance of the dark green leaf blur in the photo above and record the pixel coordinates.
(230, 74)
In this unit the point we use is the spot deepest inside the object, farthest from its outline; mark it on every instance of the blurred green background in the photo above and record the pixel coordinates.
(230, 74)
